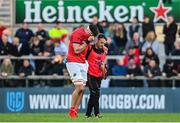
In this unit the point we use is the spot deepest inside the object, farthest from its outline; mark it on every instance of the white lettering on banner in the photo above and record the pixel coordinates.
(142, 104)
(49, 14)
(64, 102)
(88, 12)
(112, 101)
(127, 102)
(74, 14)
(29, 11)
(104, 102)
(49, 101)
(134, 101)
(119, 102)
(135, 10)
(107, 101)
(54, 101)
(159, 102)
(77, 13)
(120, 12)
(149, 102)
(104, 12)
(61, 11)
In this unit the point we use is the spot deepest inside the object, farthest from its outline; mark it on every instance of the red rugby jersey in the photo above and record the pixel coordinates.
(95, 59)
(78, 36)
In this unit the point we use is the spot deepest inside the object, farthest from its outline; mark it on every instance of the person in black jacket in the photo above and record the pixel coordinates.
(176, 50)
(151, 70)
(150, 55)
(134, 27)
(96, 22)
(147, 26)
(36, 49)
(169, 30)
(24, 34)
(18, 48)
(48, 48)
(132, 71)
(41, 33)
(168, 71)
(168, 68)
(120, 37)
(5, 46)
(55, 67)
(25, 70)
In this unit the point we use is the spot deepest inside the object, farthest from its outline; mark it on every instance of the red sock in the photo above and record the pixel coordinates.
(72, 108)
(72, 113)
(76, 109)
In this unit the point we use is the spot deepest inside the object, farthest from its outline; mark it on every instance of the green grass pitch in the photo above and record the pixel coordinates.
(107, 117)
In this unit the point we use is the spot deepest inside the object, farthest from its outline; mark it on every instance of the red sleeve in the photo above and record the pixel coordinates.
(137, 51)
(63, 37)
(125, 60)
(137, 60)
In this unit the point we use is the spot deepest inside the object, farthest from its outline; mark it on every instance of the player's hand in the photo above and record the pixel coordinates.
(91, 38)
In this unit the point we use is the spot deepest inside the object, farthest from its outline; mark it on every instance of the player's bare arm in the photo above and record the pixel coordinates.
(78, 48)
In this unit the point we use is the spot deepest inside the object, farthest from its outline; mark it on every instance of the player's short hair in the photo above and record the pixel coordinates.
(93, 29)
(58, 22)
(101, 36)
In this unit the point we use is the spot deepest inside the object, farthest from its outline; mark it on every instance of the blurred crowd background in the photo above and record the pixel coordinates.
(139, 51)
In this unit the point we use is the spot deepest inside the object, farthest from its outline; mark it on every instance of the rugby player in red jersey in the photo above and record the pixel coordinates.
(96, 56)
(77, 65)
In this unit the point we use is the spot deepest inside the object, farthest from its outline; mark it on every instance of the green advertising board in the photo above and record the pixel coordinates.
(82, 11)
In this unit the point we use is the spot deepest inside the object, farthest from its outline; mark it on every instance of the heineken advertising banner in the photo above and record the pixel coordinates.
(82, 11)
(115, 100)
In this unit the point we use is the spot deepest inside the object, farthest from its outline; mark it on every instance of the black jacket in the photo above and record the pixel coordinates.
(44, 34)
(132, 30)
(100, 28)
(170, 33)
(34, 50)
(154, 71)
(168, 70)
(26, 70)
(146, 27)
(176, 52)
(121, 42)
(24, 35)
(147, 58)
(49, 49)
(53, 68)
(135, 71)
(22, 50)
(5, 49)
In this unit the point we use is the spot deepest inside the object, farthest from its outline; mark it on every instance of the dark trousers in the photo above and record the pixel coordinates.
(94, 88)
(168, 48)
